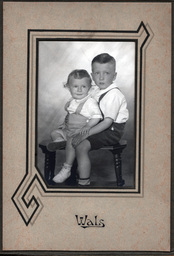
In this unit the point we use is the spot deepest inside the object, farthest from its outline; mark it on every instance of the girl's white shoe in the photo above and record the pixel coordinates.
(63, 175)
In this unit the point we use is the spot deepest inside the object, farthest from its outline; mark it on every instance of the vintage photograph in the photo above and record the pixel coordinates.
(87, 127)
(86, 113)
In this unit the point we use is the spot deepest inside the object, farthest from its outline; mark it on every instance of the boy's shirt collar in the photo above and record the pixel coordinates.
(113, 85)
(95, 92)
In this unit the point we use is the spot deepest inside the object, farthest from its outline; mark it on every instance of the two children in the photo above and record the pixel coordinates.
(114, 110)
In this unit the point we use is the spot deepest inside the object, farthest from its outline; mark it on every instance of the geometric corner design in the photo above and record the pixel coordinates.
(27, 199)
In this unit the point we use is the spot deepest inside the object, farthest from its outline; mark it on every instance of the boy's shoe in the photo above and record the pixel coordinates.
(84, 182)
(53, 146)
(62, 175)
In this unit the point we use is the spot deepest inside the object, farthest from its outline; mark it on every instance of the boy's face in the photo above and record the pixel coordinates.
(79, 87)
(103, 74)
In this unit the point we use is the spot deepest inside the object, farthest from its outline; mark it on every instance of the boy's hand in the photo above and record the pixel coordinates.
(78, 139)
(85, 130)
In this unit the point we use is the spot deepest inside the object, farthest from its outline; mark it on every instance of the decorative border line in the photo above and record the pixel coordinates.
(25, 200)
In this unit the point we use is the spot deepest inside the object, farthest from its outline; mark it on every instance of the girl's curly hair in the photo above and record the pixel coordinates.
(78, 74)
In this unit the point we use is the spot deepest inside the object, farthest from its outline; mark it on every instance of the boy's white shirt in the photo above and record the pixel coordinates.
(113, 104)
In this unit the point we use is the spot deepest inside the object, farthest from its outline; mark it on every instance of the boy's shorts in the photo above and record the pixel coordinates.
(109, 137)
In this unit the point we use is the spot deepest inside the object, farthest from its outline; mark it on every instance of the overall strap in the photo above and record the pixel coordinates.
(67, 105)
(102, 95)
(80, 106)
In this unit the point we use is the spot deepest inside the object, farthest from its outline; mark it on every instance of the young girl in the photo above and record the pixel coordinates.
(83, 113)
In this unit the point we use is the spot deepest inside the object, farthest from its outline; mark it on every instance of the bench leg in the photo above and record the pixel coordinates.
(49, 166)
(118, 168)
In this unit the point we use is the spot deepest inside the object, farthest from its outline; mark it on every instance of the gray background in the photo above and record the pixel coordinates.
(56, 60)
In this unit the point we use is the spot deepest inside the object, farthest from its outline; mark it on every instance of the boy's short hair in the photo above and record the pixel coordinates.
(78, 74)
(104, 58)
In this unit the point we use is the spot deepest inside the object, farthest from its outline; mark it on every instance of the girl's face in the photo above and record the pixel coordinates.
(79, 87)
(103, 74)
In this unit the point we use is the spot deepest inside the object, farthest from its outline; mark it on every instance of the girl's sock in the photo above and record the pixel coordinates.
(67, 166)
(84, 181)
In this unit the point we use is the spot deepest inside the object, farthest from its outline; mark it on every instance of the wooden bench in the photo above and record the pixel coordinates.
(50, 159)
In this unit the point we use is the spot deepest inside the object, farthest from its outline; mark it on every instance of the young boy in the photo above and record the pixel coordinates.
(83, 113)
(115, 114)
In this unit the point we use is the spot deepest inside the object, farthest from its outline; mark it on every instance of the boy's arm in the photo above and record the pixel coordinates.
(92, 122)
(106, 123)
